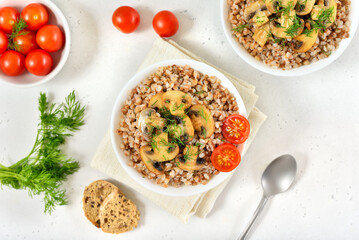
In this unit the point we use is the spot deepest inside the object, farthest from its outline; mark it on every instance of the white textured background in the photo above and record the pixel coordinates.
(315, 118)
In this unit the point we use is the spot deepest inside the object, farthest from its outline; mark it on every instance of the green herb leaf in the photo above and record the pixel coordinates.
(46, 167)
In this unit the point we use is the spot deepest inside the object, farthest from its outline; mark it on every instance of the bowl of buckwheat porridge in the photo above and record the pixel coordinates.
(167, 121)
(289, 37)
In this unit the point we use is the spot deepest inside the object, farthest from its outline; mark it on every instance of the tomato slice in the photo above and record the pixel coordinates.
(225, 157)
(236, 129)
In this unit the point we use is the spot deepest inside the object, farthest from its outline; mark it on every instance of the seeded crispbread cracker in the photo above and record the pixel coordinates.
(93, 197)
(118, 214)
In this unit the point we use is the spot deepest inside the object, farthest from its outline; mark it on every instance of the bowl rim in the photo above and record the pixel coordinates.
(300, 71)
(115, 116)
(65, 54)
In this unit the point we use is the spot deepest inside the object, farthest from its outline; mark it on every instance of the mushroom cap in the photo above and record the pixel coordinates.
(202, 120)
(163, 150)
(262, 34)
(282, 32)
(188, 161)
(307, 41)
(322, 6)
(176, 102)
(304, 7)
(253, 8)
(274, 5)
(156, 101)
(145, 151)
(183, 130)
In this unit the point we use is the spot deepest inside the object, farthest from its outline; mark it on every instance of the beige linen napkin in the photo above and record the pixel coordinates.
(182, 207)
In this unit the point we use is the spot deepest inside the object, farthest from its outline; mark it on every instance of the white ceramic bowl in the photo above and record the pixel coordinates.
(315, 66)
(56, 17)
(117, 115)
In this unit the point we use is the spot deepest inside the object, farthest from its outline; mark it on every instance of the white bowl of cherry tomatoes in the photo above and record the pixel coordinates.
(34, 42)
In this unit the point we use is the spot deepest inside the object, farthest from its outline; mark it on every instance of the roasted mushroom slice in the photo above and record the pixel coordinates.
(305, 41)
(325, 11)
(256, 12)
(290, 32)
(182, 129)
(262, 34)
(156, 101)
(144, 115)
(153, 166)
(176, 101)
(275, 5)
(190, 161)
(287, 19)
(304, 7)
(202, 120)
(163, 150)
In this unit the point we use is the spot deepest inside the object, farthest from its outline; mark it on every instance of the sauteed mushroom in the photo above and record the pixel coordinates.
(156, 101)
(176, 102)
(202, 120)
(304, 42)
(146, 152)
(183, 129)
(190, 161)
(304, 7)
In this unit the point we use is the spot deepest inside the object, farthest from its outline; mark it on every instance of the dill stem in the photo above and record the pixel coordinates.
(25, 159)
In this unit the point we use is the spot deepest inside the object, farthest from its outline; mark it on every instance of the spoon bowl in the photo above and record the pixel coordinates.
(279, 175)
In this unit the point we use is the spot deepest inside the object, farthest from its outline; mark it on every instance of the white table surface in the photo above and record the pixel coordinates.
(315, 118)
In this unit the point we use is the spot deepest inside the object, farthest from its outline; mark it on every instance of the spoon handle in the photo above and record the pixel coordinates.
(254, 217)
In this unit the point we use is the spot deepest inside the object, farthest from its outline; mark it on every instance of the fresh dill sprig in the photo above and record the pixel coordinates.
(17, 28)
(46, 167)
(240, 27)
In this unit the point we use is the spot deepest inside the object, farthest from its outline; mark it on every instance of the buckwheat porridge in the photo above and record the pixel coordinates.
(172, 122)
(289, 33)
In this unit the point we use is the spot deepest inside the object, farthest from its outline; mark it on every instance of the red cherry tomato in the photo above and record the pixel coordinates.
(165, 24)
(12, 63)
(50, 38)
(8, 17)
(225, 157)
(39, 62)
(3, 42)
(236, 129)
(35, 16)
(126, 19)
(25, 41)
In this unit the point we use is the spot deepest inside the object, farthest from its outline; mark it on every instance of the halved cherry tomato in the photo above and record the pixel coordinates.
(165, 24)
(236, 129)
(3, 42)
(12, 63)
(225, 157)
(126, 19)
(39, 62)
(35, 16)
(25, 41)
(50, 38)
(8, 17)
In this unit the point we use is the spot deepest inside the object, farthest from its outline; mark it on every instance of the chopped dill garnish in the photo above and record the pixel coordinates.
(240, 27)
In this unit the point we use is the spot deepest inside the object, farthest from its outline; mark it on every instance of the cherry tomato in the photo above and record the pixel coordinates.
(35, 16)
(3, 42)
(25, 41)
(39, 62)
(126, 19)
(12, 63)
(225, 157)
(50, 38)
(165, 24)
(236, 129)
(8, 17)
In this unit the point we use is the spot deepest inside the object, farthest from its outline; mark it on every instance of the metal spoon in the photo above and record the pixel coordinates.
(277, 178)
